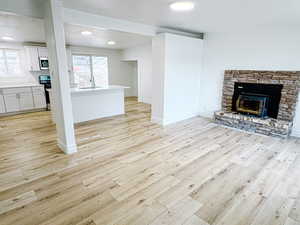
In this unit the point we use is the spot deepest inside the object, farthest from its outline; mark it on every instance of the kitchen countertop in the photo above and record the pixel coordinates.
(20, 86)
(110, 87)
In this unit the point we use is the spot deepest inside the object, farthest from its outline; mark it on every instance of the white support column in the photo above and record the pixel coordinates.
(55, 36)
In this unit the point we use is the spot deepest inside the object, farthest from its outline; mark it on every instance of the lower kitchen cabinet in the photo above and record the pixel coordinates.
(2, 105)
(11, 103)
(22, 99)
(39, 100)
(26, 101)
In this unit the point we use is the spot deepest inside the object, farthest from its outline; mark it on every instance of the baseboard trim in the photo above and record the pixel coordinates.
(71, 149)
(157, 120)
(207, 114)
(165, 122)
(22, 112)
(295, 133)
(145, 100)
(186, 117)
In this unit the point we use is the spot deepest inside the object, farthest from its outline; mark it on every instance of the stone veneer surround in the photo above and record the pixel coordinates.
(281, 126)
(289, 95)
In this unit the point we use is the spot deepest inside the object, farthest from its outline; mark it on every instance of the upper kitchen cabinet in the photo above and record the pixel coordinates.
(33, 58)
(43, 52)
(35, 55)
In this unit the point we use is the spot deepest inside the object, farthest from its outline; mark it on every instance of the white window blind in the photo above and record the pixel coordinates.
(9, 63)
(88, 69)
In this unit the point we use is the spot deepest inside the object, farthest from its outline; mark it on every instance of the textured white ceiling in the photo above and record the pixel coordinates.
(209, 15)
(99, 38)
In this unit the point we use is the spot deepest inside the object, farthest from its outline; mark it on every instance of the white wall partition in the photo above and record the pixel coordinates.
(143, 56)
(176, 77)
(270, 50)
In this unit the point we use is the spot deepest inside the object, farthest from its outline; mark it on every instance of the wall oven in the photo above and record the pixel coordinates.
(44, 63)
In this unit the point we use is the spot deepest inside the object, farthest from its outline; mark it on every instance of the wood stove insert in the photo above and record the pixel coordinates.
(260, 100)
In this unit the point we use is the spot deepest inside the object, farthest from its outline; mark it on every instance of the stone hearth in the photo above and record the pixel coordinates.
(281, 126)
(270, 127)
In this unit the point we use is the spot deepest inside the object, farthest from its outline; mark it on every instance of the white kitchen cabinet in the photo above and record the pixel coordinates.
(2, 105)
(39, 100)
(43, 52)
(12, 102)
(22, 99)
(33, 58)
(25, 101)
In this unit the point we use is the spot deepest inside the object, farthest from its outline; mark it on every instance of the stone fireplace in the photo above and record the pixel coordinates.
(260, 101)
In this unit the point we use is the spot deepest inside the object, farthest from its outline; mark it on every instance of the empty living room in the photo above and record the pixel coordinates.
(136, 112)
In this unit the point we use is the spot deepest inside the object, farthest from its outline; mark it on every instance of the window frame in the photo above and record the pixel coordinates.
(18, 51)
(91, 64)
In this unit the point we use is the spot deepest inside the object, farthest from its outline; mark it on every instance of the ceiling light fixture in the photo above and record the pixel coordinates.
(111, 43)
(86, 33)
(6, 38)
(182, 6)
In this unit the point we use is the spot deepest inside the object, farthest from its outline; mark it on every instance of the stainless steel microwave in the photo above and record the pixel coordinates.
(44, 63)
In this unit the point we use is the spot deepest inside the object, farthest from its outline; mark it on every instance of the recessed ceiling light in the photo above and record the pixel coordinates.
(86, 33)
(6, 38)
(182, 6)
(111, 43)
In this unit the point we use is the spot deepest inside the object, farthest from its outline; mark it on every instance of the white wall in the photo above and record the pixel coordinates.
(257, 51)
(177, 64)
(143, 56)
(119, 72)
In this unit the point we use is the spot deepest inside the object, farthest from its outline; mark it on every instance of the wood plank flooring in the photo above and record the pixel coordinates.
(129, 171)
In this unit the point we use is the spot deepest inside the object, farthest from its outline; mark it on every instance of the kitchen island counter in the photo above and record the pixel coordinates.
(75, 91)
(96, 103)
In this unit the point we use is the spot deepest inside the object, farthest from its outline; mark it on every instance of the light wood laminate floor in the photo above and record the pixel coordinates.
(130, 171)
